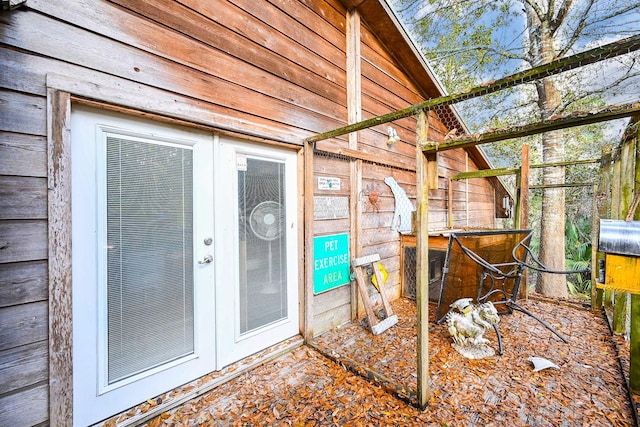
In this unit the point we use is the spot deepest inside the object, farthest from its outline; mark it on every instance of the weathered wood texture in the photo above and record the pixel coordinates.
(386, 87)
(271, 70)
(634, 327)
(25, 409)
(23, 282)
(274, 70)
(60, 299)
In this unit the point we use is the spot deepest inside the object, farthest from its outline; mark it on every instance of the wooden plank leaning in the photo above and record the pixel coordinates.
(377, 326)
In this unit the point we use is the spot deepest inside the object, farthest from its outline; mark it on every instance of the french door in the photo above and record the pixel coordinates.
(259, 261)
(142, 304)
(159, 297)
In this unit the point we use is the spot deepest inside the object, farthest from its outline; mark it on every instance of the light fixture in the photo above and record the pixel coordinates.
(393, 136)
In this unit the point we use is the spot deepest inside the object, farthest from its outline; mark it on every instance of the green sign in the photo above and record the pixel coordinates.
(330, 262)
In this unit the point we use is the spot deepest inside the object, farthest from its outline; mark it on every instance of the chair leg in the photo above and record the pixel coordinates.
(546, 325)
(500, 350)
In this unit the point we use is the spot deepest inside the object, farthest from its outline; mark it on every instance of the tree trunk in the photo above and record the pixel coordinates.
(552, 252)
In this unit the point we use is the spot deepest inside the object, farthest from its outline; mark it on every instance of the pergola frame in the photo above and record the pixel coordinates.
(425, 168)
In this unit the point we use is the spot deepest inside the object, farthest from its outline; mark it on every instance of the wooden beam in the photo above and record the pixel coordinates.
(355, 154)
(626, 184)
(634, 341)
(432, 166)
(354, 111)
(524, 205)
(579, 118)
(450, 203)
(308, 239)
(565, 185)
(485, 173)
(524, 188)
(422, 260)
(607, 51)
(59, 213)
(354, 74)
(567, 163)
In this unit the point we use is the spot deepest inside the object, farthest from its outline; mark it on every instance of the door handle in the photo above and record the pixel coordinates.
(207, 259)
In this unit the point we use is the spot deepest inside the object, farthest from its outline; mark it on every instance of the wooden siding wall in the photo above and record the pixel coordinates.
(271, 69)
(385, 88)
(253, 67)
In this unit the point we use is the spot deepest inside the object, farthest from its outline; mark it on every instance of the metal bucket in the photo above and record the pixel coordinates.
(619, 237)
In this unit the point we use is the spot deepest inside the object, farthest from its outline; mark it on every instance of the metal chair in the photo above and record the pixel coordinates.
(487, 266)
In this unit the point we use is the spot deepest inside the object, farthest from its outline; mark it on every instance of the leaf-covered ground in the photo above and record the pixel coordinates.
(305, 388)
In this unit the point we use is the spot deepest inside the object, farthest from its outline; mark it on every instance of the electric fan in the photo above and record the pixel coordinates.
(266, 222)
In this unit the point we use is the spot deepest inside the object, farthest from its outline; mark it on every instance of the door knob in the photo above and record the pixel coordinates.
(207, 259)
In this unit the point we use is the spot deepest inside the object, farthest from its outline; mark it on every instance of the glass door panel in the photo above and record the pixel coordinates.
(257, 292)
(263, 249)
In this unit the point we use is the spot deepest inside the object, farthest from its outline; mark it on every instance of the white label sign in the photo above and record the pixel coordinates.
(328, 183)
(241, 162)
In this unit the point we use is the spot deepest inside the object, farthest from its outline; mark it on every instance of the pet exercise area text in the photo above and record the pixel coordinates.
(331, 262)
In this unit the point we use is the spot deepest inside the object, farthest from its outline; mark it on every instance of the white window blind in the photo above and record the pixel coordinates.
(149, 261)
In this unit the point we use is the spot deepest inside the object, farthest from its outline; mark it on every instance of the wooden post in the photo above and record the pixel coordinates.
(524, 187)
(432, 170)
(355, 225)
(354, 111)
(422, 259)
(450, 204)
(518, 208)
(626, 178)
(596, 302)
(603, 210)
(523, 211)
(308, 242)
(60, 285)
(634, 341)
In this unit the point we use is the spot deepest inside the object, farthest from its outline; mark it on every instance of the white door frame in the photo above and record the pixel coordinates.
(231, 344)
(93, 398)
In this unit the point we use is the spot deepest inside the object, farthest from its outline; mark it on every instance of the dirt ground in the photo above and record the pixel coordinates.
(307, 388)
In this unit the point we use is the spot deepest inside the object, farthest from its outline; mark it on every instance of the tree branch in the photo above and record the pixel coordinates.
(582, 23)
(534, 6)
(557, 20)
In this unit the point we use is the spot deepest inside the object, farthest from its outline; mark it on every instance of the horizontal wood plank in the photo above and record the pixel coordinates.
(51, 37)
(226, 31)
(305, 29)
(332, 299)
(23, 324)
(23, 197)
(23, 282)
(23, 240)
(18, 76)
(24, 155)
(113, 90)
(22, 113)
(331, 319)
(23, 366)
(331, 226)
(333, 11)
(374, 237)
(184, 50)
(26, 408)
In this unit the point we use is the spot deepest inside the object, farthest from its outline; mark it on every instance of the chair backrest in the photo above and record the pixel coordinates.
(484, 265)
